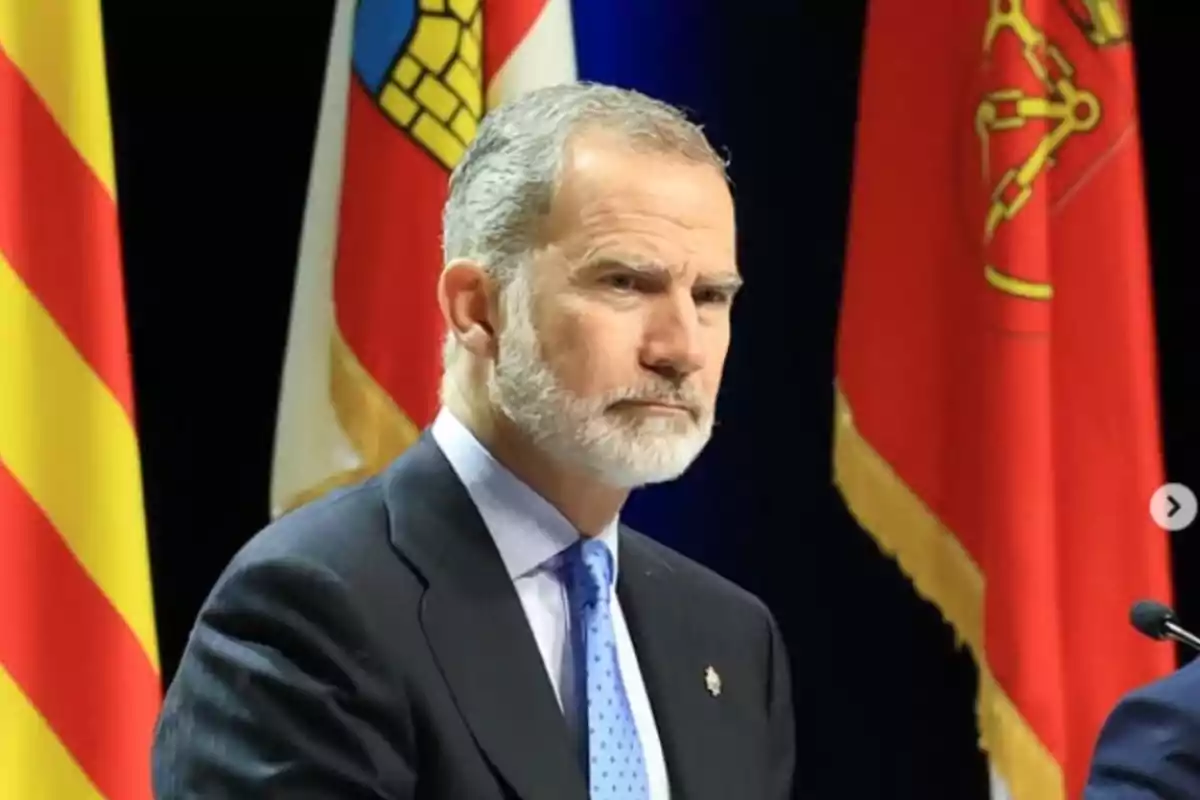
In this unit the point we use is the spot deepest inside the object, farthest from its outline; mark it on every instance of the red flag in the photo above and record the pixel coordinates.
(406, 86)
(997, 424)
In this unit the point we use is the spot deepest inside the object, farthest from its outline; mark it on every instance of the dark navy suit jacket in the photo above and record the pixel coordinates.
(371, 645)
(1149, 746)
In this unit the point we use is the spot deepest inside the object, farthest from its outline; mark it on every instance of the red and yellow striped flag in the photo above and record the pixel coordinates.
(79, 675)
(998, 423)
(405, 88)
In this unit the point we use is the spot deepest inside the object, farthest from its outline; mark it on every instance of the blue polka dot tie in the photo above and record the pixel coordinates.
(615, 765)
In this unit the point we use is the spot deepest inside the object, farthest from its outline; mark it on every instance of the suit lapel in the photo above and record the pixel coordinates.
(477, 630)
(673, 658)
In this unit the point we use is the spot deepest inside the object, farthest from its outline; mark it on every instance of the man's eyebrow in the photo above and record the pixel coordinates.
(643, 264)
(725, 280)
(729, 280)
(647, 268)
(622, 261)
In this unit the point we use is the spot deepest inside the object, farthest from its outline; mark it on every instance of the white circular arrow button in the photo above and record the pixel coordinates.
(1173, 506)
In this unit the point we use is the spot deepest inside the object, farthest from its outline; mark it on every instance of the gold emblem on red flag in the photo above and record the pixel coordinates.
(1100, 20)
(1048, 105)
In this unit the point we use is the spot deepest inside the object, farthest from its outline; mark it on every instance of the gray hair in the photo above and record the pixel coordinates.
(506, 180)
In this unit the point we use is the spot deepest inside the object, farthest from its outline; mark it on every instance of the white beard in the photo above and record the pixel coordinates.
(622, 451)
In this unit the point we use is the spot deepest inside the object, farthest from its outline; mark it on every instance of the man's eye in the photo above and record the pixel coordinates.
(621, 282)
(712, 296)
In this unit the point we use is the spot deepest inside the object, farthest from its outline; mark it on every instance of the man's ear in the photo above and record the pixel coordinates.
(466, 297)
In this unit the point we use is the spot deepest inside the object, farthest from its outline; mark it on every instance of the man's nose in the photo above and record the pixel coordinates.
(673, 342)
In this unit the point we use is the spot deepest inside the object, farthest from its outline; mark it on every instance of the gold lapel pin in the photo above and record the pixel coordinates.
(713, 681)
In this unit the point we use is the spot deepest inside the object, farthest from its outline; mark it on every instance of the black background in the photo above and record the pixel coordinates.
(214, 110)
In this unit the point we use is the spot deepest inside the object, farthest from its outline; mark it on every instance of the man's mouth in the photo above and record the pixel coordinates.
(658, 406)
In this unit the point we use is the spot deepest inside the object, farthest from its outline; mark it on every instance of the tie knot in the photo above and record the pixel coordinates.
(590, 570)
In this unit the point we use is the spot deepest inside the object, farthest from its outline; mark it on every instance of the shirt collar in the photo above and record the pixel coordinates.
(527, 529)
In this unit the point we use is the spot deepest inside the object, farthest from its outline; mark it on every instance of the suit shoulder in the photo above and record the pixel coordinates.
(1179, 688)
(703, 580)
(1148, 738)
(344, 530)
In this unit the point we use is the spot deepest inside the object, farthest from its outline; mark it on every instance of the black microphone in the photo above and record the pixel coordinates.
(1158, 622)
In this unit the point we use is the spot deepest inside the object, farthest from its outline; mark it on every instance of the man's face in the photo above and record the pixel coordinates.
(614, 343)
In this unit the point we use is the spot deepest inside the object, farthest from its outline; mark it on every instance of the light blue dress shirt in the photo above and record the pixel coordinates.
(529, 534)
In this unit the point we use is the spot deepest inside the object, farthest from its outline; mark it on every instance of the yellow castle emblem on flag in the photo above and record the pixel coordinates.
(423, 64)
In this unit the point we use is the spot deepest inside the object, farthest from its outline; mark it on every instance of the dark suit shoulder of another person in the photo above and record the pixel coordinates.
(1149, 747)
(370, 644)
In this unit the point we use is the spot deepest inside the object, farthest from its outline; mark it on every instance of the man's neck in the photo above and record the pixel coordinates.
(587, 503)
